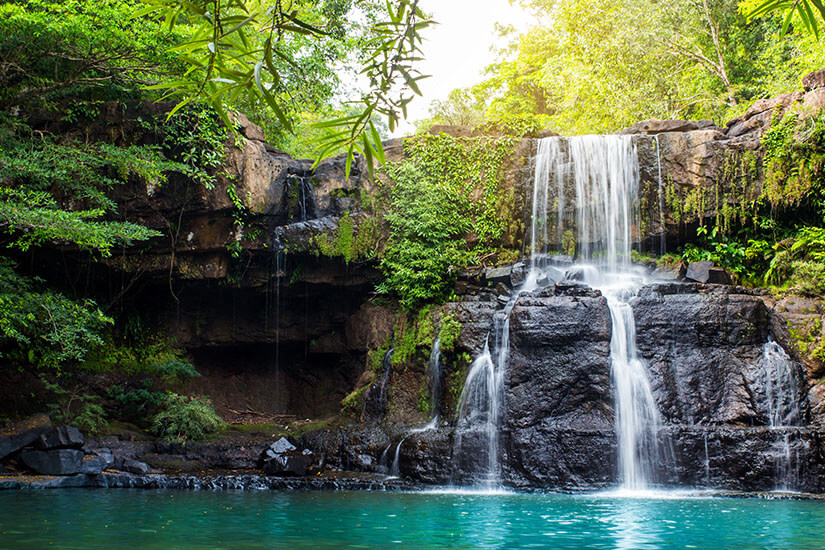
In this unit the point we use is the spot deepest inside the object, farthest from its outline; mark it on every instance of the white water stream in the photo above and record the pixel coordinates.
(782, 388)
(605, 178)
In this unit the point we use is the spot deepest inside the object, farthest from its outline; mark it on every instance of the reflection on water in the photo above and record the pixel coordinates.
(87, 519)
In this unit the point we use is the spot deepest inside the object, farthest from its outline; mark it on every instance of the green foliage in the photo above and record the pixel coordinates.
(449, 331)
(794, 163)
(75, 406)
(404, 340)
(800, 262)
(194, 137)
(251, 50)
(350, 241)
(809, 12)
(424, 397)
(42, 327)
(353, 403)
(447, 207)
(58, 52)
(598, 66)
(138, 402)
(186, 418)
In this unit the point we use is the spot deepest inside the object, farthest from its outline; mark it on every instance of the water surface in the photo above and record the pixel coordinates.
(122, 518)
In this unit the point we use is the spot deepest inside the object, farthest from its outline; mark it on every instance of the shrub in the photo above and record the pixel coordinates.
(186, 418)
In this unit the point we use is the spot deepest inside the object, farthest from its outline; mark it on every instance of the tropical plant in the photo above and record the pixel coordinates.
(240, 49)
(186, 418)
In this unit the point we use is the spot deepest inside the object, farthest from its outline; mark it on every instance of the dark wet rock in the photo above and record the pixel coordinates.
(93, 464)
(61, 462)
(502, 289)
(474, 312)
(16, 435)
(347, 448)
(64, 437)
(426, 457)
(702, 351)
(108, 457)
(135, 467)
(497, 275)
(282, 458)
(518, 274)
(558, 379)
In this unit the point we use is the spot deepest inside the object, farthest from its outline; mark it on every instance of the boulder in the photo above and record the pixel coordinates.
(559, 404)
(719, 276)
(669, 272)
(106, 454)
(699, 271)
(93, 464)
(135, 467)
(17, 435)
(518, 274)
(814, 80)
(62, 462)
(560, 260)
(64, 437)
(282, 458)
(498, 274)
(656, 126)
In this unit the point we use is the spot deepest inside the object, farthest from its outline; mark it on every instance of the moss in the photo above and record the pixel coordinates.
(425, 328)
(350, 241)
(456, 376)
(353, 403)
(405, 340)
(424, 397)
(449, 331)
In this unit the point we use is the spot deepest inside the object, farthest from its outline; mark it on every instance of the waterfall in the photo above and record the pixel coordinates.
(707, 462)
(434, 373)
(661, 189)
(603, 171)
(605, 174)
(783, 385)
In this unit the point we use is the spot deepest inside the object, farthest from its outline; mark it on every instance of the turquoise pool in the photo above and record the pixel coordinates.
(120, 518)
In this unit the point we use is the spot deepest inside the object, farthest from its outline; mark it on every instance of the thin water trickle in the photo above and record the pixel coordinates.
(707, 462)
(661, 188)
(434, 373)
(782, 400)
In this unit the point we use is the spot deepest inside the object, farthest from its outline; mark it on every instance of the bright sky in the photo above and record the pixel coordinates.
(458, 49)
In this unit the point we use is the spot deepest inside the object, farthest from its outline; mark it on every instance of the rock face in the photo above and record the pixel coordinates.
(559, 402)
(57, 463)
(282, 458)
(17, 435)
(67, 437)
(703, 347)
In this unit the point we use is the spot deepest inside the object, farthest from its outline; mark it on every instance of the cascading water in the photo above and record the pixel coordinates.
(782, 381)
(434, 373)
(605, 177)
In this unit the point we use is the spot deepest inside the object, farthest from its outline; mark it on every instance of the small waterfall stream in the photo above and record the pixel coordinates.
(783, 381)
(435, 370)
